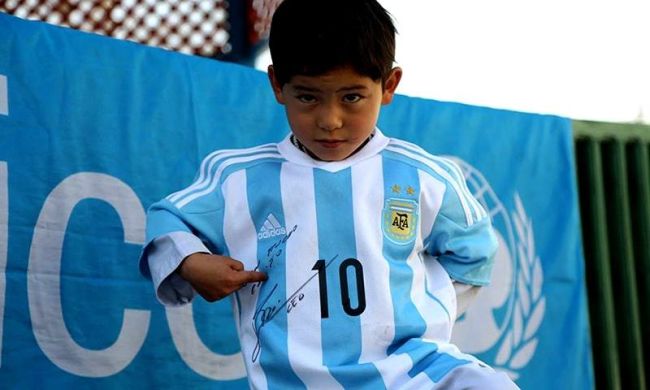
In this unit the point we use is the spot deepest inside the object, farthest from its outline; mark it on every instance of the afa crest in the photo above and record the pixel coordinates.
(400, 220)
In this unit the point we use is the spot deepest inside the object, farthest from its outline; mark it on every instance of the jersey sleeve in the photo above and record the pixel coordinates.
(462, 236)
(183, 223)
(164, 256)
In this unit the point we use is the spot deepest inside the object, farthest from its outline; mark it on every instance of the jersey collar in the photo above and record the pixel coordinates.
(292, 153)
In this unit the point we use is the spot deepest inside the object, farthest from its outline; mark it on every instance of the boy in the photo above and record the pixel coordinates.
(338, 244)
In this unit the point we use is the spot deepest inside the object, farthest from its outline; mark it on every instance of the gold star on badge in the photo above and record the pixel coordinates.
(397, 189)
(410, 190)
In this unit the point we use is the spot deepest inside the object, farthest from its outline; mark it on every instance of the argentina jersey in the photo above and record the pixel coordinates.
(360, 256)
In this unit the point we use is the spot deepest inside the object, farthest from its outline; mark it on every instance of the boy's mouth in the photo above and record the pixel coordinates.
(327, 143)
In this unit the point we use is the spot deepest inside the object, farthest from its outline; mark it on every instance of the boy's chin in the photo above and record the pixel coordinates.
(331, 154)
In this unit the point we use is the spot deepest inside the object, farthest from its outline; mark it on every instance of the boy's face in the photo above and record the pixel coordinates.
(334, 113)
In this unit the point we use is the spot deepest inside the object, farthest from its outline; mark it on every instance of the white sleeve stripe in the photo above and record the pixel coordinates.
(480, 191)
(479, 212)
(208, 164)
(478, 209)
(216, 176)
(443, 173)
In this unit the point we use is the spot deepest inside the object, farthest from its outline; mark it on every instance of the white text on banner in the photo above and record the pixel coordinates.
(4, 96)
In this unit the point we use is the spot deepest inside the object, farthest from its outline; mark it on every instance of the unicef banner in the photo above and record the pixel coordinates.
(93, 130)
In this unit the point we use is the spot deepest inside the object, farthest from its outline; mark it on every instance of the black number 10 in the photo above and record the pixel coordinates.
(345, 290)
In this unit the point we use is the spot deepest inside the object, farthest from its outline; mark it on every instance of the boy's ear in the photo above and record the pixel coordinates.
(277, 89)
(390, 85)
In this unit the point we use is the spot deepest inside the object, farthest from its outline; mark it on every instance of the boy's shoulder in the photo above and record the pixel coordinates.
(442, 167)
(221, 159)
(216, 167)
(221, 163)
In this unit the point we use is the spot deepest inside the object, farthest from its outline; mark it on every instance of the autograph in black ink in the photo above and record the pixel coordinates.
(272, 253)
(265, 313)
(275, 251)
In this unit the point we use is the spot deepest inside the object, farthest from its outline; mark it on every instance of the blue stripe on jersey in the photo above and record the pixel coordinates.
(218, 238)
(340, 331)
(401, 182)
(437, 365)
(270, 319)
(429, 360)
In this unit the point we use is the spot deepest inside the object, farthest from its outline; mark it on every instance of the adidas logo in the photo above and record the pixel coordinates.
(271, 228)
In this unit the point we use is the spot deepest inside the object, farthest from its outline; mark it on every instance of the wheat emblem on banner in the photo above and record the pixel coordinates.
(520, 342)
(501, 325)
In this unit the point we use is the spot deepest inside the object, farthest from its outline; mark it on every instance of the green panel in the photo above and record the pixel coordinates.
(597, 266)
(604, 130)
(639, 180)
(622, 264)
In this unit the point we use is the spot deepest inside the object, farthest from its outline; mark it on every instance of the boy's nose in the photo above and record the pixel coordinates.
(329, 118)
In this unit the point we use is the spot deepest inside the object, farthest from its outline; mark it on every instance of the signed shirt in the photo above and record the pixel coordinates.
(360, 256)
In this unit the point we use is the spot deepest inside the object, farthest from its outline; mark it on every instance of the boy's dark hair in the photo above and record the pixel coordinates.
(313, 37)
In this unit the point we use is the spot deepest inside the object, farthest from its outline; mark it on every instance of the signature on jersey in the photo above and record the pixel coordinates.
(272, 254)
(267, 311)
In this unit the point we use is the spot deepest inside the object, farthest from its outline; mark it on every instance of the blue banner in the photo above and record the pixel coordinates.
(93, 130)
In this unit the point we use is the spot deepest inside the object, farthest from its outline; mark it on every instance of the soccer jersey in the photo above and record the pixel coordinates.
(360, 256)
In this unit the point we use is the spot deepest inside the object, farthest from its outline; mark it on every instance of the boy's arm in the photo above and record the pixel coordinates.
(181, 266)
(215, 277)
(462, 236)
(179, 263)
(163, 256)
(466, 252)
(465, 295)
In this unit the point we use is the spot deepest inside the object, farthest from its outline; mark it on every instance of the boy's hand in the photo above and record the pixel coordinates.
(215, 277)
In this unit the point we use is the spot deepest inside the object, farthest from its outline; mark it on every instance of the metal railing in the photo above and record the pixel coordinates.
(613, 169)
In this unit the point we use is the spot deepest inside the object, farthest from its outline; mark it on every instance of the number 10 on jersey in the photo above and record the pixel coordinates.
(355, 264)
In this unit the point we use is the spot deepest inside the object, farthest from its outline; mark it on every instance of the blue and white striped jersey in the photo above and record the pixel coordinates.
(360, 256)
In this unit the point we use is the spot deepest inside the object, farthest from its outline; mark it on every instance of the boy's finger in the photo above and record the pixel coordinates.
(252, 276)
(234, 264)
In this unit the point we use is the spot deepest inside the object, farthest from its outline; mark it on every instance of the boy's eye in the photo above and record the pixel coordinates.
(306, 98)
(352, 98)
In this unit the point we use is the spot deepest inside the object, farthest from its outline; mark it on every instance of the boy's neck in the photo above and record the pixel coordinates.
(304, 149)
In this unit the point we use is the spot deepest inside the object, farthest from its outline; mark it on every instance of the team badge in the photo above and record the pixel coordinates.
(400, 220)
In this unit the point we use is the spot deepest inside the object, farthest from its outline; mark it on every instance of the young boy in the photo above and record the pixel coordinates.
(339, 245)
